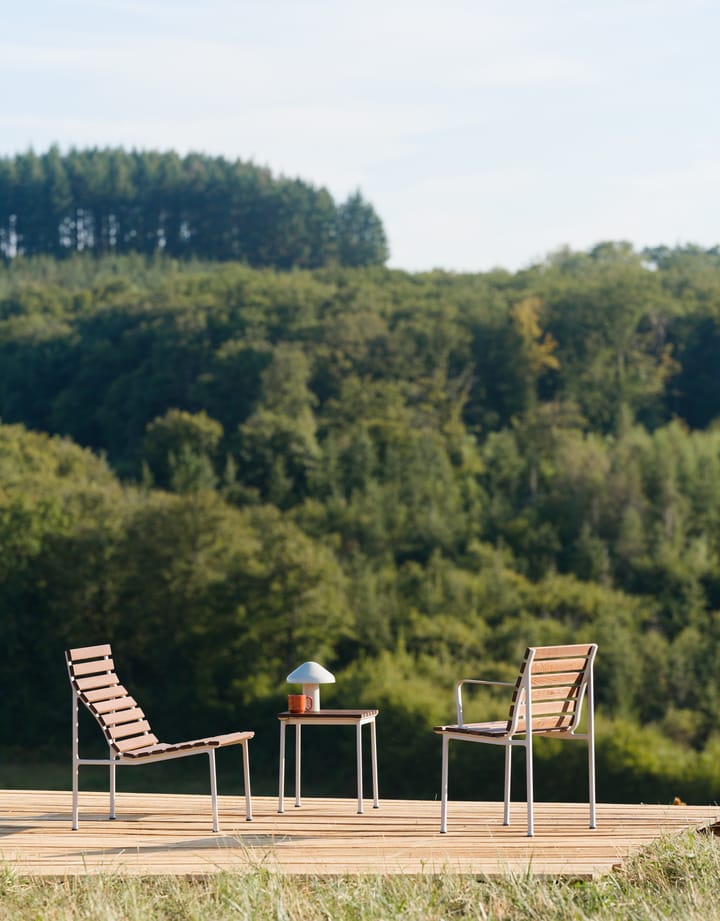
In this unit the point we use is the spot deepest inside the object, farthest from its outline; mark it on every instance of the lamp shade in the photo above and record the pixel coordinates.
(311, 673)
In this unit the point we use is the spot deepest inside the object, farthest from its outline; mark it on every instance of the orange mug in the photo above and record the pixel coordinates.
(299, 703)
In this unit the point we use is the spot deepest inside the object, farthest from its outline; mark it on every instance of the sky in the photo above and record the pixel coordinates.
(485, 134)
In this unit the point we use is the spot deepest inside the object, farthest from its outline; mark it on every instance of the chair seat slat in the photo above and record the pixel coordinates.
(88, 652)
(562, 652)
(127, 745)
(94, 667)
(129, 715)
(113, 692)
(97, 681)
(114, 704)
(123, 730)
(558, 666)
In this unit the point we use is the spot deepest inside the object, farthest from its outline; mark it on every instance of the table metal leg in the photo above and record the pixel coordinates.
(297, 765)
(373, 744)
(281, 784)
(359, 768)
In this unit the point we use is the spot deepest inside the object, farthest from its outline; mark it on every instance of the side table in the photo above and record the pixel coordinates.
(357, 718)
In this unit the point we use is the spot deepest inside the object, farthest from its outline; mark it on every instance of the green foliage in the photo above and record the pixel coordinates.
(408, 478)
(112, 201)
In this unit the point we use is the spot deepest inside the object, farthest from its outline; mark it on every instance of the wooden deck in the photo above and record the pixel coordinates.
(156, 834)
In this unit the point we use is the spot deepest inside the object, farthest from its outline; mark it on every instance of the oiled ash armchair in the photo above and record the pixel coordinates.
(127, 732)
(547, 700)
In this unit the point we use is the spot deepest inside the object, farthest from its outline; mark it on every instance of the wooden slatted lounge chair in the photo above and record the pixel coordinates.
(127, 732)
(548, 697)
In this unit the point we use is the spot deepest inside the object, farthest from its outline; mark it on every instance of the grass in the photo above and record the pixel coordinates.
(677, 877)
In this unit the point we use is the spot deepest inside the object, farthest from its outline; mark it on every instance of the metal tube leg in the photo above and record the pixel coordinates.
(591, 771)
(112, 788)
(246, 772)
(529, 771)
(358, 737)
(297, 764)
(75, 782)
(508, 769)
(444, 785)
(281, 782)
(213, 791)
(373, 746)
(75, 761)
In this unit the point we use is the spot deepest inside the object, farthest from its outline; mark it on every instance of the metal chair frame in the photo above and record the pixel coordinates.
(567, 712)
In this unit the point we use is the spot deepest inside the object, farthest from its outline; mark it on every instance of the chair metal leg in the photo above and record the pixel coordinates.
(444, 785)
(246, 772)
(591, 747)
(373, 746)
(112, 788)
(591, 772)
(529, 772)
(358, 742)
(508, 767)
(298, 758)
(213, 791)
(281, 782)
(75, 783)
(75, 761)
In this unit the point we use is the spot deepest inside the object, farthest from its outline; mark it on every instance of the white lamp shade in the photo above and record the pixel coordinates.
(311, 673)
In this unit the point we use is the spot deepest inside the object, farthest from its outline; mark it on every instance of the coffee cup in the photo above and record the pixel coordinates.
(299, 703)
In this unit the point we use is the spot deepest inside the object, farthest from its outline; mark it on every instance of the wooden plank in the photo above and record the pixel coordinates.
(129, 715)
(88, 652)
(170, 834)
(92, 668)
(560, 652)
(97, 681)
(113, 692)
(114, 704)
(129, 745)
(556, 666)
(123, 730)
(544, 681)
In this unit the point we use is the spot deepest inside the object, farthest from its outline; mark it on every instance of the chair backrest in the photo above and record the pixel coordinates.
(93, 678)
(554, 680)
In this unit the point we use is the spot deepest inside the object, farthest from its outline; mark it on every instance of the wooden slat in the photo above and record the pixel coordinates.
(123, 716)
(88, 652)
(560, 652)
(128, 745)
(555, 693)
(123, 730)
(115, 691)
(540, 709)
(558, 665)
(97, 681)
(114, 704)
(562, 680)
(92, 667)
(170, 834)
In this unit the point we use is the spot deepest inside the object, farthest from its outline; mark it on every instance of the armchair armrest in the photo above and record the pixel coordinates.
(458, 692)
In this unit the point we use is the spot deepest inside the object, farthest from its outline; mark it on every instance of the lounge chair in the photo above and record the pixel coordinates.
(548, 697)
(128, 734)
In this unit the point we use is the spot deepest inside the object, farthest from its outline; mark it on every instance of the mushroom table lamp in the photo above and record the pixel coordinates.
(311, 675)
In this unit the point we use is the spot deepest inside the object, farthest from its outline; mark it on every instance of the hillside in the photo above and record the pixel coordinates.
(406, 477)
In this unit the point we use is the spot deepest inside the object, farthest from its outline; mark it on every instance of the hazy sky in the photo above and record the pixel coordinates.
(484, 133)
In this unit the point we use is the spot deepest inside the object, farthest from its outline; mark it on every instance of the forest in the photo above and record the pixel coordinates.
(226, 469)
(112, 201)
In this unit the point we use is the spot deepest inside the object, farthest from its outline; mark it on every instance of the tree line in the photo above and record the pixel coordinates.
(406, 477)
(111, 201)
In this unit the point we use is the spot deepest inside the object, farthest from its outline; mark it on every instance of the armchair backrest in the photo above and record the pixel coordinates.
(550, 688)
(94, 681)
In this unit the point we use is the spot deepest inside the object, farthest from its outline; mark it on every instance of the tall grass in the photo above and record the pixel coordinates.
(675, 878)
